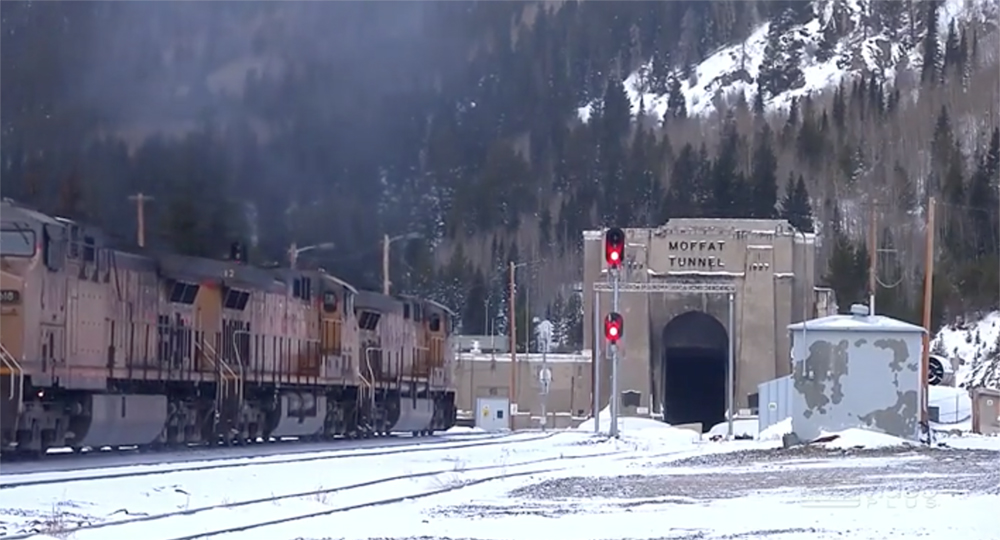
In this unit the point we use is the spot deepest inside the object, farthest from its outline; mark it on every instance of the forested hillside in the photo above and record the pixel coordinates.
(501, 130)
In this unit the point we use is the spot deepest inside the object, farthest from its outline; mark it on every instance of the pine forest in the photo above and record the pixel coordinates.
(492, 132)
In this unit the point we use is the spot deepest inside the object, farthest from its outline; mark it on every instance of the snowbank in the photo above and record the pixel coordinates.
(862, 438)
(775, 432)
(462, 430)
(644, 433)
(741, 427)
(970, 442)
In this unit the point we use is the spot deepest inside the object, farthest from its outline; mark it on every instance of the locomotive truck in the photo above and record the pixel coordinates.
(103, 346)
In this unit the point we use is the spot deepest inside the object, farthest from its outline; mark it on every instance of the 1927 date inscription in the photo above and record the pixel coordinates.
(10, 296)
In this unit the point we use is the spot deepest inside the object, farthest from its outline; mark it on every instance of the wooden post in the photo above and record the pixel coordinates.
(928, 289)
(140, 214)
(512, 328)
(872, 258)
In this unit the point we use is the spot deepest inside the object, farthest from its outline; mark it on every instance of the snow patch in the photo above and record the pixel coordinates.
(775, 432)
(971, 442)
(461, 430)
(644, 433)
(742, 427)
(862, 438)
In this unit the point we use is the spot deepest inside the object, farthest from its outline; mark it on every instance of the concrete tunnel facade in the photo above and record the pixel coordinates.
(676, 282)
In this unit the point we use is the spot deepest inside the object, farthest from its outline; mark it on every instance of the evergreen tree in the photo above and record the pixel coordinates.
(828, 43)
(556, 314)
(932, 50)
(942, 152)
(614, 123)
(676, 102)
(659, 72)
(780, 68)
(982, 201)
(681, 199)
(725, 177)
(71, 204)
(795, 205)
(574, 323)
(474, 316)
(764, 177)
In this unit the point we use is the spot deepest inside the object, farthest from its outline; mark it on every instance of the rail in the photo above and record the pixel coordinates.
(16, 375)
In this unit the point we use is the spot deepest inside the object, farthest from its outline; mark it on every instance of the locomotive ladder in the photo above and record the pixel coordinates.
(369, 383)
(228, 390)
(16, 375)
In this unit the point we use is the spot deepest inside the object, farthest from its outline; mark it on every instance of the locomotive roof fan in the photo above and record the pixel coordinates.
(939, 371)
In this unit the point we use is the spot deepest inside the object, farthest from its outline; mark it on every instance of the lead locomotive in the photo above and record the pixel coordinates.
(108, 347)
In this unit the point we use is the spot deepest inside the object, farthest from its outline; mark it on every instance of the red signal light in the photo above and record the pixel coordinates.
(614, 247)
(614, 326)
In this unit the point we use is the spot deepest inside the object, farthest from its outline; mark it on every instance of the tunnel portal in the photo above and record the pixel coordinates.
(695, 346)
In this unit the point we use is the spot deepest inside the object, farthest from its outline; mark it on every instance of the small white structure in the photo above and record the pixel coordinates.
(857, 370)
(491, 414)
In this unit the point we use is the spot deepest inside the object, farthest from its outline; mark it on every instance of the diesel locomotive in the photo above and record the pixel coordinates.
(109, 347)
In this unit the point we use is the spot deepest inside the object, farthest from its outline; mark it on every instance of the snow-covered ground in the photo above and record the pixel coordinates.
(655, 482)
(976, 344)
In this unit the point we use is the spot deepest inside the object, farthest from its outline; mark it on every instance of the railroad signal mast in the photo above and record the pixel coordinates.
(614, 324)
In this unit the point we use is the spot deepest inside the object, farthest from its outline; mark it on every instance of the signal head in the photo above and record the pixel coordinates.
(614, 247)
(614, 327)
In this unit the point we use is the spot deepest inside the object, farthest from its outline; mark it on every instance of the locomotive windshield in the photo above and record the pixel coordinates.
(16, 242)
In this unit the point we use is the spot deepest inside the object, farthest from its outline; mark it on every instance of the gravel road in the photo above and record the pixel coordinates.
(911, 477)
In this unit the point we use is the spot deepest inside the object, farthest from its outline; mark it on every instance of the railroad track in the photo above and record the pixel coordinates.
(114, 460)
(243, 462)
(276, 445)
(143, 526)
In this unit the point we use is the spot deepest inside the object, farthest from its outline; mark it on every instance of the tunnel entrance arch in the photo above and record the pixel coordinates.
(694, 369)
(681, 286)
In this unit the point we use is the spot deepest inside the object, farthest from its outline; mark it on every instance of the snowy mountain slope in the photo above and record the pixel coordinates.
(734, 70)
(976, 343)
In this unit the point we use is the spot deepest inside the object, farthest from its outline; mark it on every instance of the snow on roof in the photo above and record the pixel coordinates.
(856, 323)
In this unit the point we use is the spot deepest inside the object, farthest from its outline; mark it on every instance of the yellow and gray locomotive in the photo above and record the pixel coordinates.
(104, 347)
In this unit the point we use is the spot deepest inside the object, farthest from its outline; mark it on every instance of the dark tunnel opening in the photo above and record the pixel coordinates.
(695, 361)
(694, 386)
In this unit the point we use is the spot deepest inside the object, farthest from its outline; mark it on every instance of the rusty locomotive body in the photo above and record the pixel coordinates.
(106, 347)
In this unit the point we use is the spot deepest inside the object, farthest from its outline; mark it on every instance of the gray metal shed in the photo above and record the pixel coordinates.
(856, 370)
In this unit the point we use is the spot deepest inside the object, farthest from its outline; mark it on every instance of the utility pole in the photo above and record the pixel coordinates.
(872, 258)
(385, 264)
(140, 216)
(928, 295)
(513, 351)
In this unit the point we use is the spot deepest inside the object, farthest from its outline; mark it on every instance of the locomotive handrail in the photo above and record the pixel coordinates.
(14, 366)
(368, 362)
(239, 360)
(213, 356)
